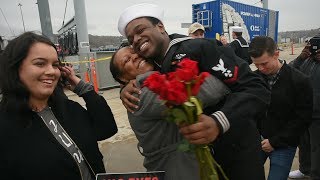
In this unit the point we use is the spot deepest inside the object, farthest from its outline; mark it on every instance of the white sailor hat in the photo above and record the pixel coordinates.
(237, 29)
(137, 11)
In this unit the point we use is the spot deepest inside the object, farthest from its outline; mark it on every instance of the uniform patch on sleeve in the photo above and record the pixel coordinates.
(179, 56)
(230, 75)
(220, 67)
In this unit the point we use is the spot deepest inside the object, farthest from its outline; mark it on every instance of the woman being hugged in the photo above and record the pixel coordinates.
(159, 139)
(43, 134)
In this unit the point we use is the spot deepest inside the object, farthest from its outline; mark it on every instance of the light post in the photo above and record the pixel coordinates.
(22, 17)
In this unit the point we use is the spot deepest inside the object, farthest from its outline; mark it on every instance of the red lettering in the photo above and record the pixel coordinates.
(155, 178)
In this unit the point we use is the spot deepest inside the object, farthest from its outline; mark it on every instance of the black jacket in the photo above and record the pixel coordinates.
(290, 108)
(311, 68)
(32, 152)
(240, 47)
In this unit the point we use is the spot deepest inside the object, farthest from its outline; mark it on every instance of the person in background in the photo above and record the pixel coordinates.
(196, 30)
(223, 40)
(308, 62)
(43, 134)
(240, 45)
(290, 108)
(235, 138)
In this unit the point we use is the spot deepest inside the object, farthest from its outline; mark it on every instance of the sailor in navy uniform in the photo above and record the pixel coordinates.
(240, 45)
(229, 126)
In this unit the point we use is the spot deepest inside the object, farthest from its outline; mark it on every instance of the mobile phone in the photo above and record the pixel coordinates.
(314, 44)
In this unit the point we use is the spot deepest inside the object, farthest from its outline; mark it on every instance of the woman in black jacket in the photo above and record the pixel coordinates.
(43, 134)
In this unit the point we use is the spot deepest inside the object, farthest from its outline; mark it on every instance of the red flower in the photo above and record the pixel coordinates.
(168, 87)
(175, 92)
(187, 69)
(186, 75)
(196, 86)
(155, 82)
(187, 63)
(172, 75)
(172, 86)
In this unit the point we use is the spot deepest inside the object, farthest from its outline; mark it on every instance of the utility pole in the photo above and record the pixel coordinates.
(22, 17)
(84, 53)
(81, 22)
(45, 19)
(265, 3)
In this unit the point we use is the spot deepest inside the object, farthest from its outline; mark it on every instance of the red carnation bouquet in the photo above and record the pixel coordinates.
(178, 90)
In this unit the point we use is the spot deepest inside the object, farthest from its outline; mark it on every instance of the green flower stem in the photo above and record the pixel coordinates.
(207, 169)
(188, 85)
(196, 102)
(207, 164)
(220, 169)
(188, 110)
(202, 171)
(210, 161)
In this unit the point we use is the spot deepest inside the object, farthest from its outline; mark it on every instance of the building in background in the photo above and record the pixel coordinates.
(220, 16)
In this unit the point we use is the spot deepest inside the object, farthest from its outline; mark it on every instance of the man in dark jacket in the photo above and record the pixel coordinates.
(240, 45)
(309, 149)
(231, 125)
(290, 108)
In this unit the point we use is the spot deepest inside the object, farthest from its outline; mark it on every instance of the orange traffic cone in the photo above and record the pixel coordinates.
(86, 77)
(94, 75)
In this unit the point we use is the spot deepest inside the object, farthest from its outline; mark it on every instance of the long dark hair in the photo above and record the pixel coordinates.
(15, 94)
(115, 71)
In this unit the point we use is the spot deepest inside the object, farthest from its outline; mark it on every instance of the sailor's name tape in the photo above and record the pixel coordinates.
(86, 61)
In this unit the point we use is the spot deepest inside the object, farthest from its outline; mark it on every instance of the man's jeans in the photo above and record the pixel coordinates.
(280, 162)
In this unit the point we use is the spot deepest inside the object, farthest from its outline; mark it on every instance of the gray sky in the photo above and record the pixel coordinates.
(102, 15)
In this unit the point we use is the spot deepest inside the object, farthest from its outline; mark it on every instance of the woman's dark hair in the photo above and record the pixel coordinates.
(261, 44)
(115, 71)
(15, 94)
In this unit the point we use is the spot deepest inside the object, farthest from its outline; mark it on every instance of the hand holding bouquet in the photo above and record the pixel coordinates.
(178, 89)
